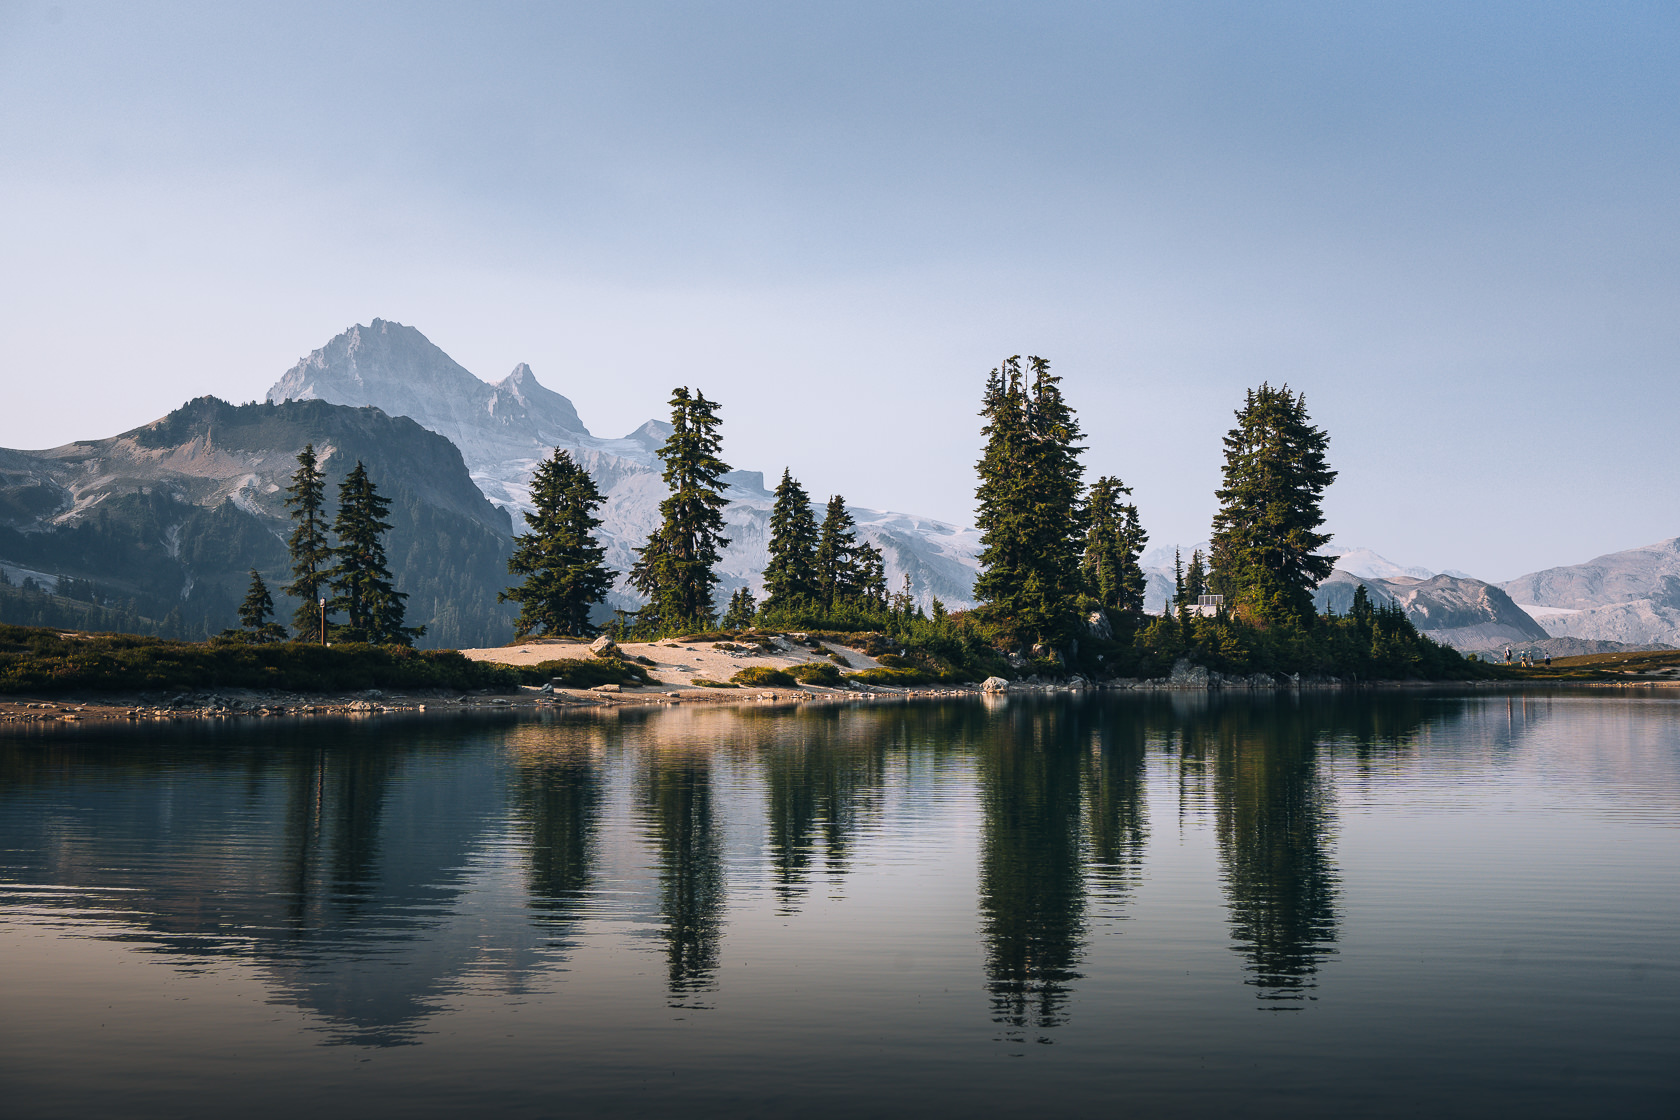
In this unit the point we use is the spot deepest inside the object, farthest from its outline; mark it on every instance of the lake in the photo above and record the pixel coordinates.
(1315, 905)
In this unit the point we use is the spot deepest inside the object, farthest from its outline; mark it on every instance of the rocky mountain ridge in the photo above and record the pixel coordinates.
(1631, 597)
(165, 521)
(504, 430)
(1467, 614)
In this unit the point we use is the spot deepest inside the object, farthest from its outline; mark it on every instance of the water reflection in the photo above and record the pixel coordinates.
(1032, 897)
(681, 826)
(1274, 824)
(822, 778)
(558, 790)
(373, 870)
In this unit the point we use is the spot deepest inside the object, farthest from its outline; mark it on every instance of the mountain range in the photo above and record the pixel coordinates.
(1632, 597)
(154, 530)
(506, 428)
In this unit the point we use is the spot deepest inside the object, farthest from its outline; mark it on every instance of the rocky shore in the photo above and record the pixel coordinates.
(142, 708)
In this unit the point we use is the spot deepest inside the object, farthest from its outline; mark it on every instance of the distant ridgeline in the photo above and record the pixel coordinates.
(155, 531)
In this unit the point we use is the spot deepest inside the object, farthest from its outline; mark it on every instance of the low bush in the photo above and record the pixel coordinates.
(902, 678)
(40, 660)
(702, 682)
(763, 675)
(585, 672)
(816, 672)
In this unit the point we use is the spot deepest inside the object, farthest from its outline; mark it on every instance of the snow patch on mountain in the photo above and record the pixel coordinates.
(504, 430)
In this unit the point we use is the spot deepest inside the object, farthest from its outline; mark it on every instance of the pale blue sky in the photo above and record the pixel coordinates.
(1452, 225)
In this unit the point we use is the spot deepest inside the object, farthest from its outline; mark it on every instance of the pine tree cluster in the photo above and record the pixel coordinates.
(353, 575)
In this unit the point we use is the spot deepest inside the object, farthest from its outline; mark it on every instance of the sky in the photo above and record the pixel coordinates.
(1452, 226)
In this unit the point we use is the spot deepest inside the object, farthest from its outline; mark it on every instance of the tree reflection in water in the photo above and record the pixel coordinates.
(1032, 891)
(822, 777)
(680, 821)
(558, 790)
(1274, 823)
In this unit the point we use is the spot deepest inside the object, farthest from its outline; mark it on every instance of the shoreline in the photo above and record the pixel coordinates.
(151, 708)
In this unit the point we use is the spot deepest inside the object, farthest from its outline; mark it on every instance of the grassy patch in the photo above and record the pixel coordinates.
(763, 675)
(38, 660)
(816, 672)
(702, 682)
(902, 677)
(1657, 664)
(587, 672)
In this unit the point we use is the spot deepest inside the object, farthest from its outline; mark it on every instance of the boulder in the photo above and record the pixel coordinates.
(1186, 675)
(607, 688)
(993, 684)
(1097, 625)
(604, 647)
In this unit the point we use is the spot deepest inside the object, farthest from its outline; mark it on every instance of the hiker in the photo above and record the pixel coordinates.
(1507, 655)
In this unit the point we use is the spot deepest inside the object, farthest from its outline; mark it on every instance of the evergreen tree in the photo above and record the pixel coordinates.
(361, 582)
(1265, 536)
(1114, 540)
(1181, 597)
(1195, 578)
(742, 608)
(1031, 515)
(791, 576)
(1362, 611)
(674, 569)
(311, 553)
(256, 616)
(868, 577)
(836, 555)
(563, 564)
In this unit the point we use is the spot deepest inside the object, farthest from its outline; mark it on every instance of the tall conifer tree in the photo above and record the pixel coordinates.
(1114, 540)
(1195, 577)
(362, 586)
(674, 569)
(563, 564)
(791, 576)
(869, 576)
(311, 554)
(836, 555)
(1031, 514)
(1266, 534)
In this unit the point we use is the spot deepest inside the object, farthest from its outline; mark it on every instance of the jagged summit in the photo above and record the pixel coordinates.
(396, 368)
(505, 429)
(651, 435)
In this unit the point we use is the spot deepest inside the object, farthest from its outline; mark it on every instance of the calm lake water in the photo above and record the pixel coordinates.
(1385, 905)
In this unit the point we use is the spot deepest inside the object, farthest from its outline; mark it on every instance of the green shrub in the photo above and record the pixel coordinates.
(702, 682)
(816, 672)
(763, 675)
(33, 659)
(585, 672)
(900, 678)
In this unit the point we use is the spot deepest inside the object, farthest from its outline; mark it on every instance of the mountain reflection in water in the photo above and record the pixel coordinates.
(374, 874)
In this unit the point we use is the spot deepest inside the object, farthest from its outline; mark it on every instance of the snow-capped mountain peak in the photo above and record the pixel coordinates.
(504, 430)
